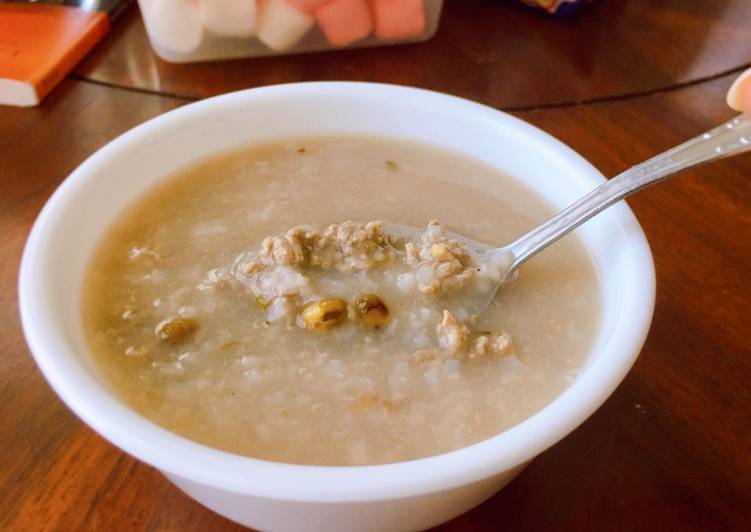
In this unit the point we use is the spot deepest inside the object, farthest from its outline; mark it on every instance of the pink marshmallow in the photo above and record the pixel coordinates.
(398, 19)
(307, 6)
(344, 21)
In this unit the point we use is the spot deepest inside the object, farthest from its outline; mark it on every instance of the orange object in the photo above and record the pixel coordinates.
(40, 44)
(344, 21)
(398, 19)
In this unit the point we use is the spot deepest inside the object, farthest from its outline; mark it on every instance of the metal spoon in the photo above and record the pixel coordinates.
(731, 138)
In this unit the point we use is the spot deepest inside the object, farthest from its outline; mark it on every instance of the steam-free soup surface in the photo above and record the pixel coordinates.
(184, 341)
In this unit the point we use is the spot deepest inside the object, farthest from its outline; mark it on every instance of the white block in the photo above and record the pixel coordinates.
(174, 24)
(280, 25)
(229, 18)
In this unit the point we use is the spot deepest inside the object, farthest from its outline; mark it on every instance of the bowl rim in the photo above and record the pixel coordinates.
(180, 457)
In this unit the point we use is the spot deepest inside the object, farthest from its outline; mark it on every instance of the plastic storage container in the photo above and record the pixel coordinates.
(200, 30)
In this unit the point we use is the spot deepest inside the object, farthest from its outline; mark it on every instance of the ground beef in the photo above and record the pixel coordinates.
(452, 336)
(439, 264)
(442, 264)
(347, 247)
(276, 273)
(459, 341)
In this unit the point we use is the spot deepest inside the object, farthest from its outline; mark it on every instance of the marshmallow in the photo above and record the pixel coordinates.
(739, 95)
(307, 6)
(344, 21)
(174, 24)
(229, 18)
(280, 25)
(398, 19)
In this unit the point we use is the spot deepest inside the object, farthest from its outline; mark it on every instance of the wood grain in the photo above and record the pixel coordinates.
(494, 51)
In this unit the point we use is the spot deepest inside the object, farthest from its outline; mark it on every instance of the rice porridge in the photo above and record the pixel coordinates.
(256, 302)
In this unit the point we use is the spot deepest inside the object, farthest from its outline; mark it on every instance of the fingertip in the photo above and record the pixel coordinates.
(739, 94)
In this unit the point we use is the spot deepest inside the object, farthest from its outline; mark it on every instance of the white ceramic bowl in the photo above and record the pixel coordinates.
(273, 496)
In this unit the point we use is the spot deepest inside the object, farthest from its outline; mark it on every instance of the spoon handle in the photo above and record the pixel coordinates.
(731, 138)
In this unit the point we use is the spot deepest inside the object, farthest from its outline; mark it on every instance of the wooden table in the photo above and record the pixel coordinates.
(670, 450)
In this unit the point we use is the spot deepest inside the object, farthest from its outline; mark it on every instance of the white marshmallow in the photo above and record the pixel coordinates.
(229, 18)
(280, 25)
(174, 24)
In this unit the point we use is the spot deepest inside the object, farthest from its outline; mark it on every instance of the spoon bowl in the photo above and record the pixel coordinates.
(728, 139)
(494, 262)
